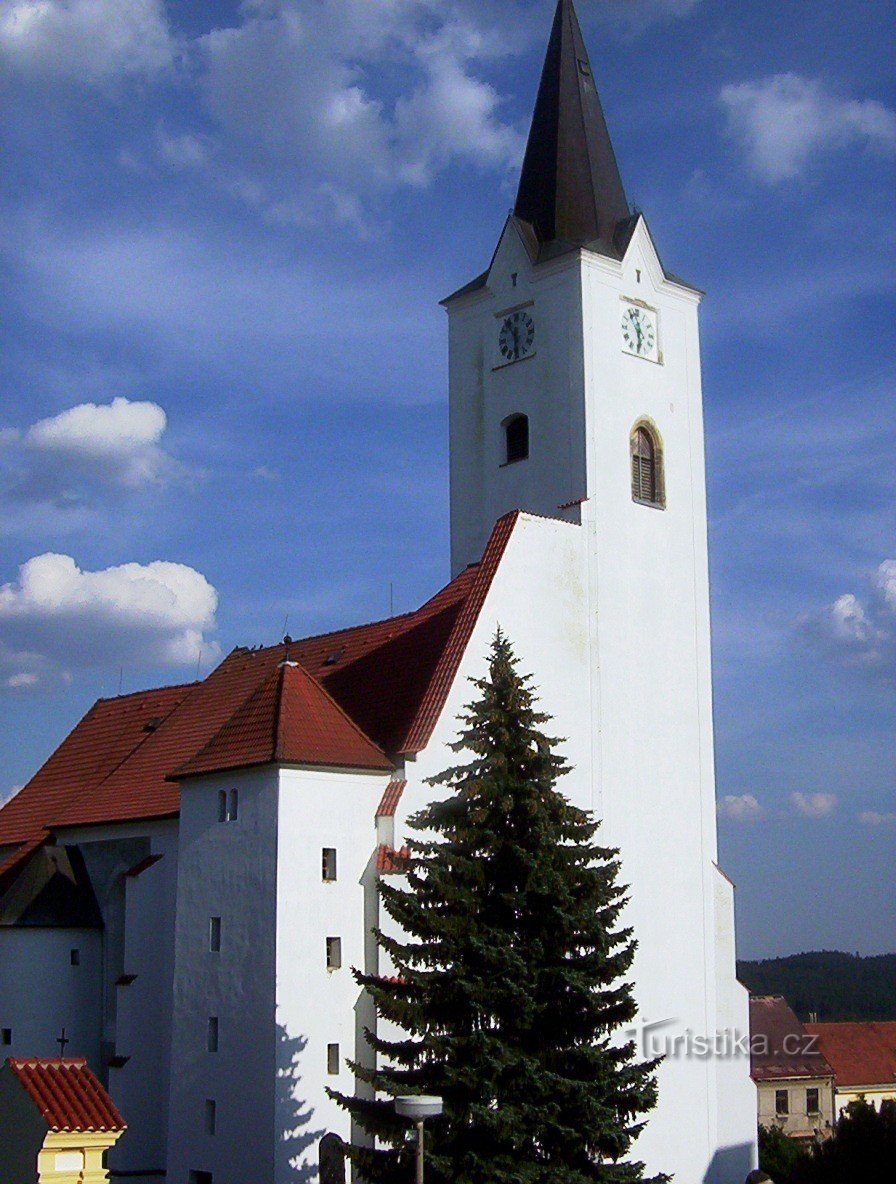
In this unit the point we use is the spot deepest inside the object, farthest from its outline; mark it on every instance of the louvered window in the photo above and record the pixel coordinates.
(644, 487)
(516, 438)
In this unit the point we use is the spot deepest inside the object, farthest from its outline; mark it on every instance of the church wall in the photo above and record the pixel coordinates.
(225, 870)
(41, 992)
(317, 1006)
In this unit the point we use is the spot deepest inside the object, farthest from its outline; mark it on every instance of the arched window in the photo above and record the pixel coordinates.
(647, 467)
(516, 438)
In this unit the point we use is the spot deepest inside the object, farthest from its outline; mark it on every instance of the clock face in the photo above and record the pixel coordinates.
(639, 334)
(517, 336)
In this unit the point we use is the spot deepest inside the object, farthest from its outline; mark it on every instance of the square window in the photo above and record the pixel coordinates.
(222, 805)
(334, 953)
(328, 863)
(214, 935)
(75, 957)
(211, 1041)
(5, 1035)
(812, 1106)
(211, 1115)
(332, 1059)
(782, 1103)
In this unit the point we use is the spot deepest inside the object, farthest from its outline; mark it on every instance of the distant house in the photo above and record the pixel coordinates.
(56, 1122)
(794, 1081)
(863, 1057)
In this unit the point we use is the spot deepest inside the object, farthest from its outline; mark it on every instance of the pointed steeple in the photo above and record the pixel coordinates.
(570, 190)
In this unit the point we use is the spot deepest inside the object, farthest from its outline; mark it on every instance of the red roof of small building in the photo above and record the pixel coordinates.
(859, 1053)
(289, 719)
(67, 1094)
(388, 859)
(779, 1044)
(390, 799)
(389, 679)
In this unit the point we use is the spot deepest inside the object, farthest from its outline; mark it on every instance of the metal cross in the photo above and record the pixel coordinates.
(62, 1040)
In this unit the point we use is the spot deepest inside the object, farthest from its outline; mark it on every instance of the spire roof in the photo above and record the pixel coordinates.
(570, 190)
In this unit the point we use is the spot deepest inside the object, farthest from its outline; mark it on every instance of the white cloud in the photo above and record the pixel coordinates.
(185, 151)
(739, 807)
(63, 459)
(784, 120)
(886, 582)
(849, 621)
(90, 41)
(56, 617)
(814, 805)
(873, 818)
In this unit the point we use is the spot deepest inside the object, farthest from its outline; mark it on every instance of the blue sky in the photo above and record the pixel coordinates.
(224, 232)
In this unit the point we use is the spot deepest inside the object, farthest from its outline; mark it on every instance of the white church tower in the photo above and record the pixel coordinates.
(575, 393)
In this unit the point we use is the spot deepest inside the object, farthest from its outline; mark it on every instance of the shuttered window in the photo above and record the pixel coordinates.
(648, 486)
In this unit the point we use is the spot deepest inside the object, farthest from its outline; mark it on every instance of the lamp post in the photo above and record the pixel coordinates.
(418, 1107)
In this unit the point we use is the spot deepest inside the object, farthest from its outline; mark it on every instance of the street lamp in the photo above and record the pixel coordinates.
(418, 1107)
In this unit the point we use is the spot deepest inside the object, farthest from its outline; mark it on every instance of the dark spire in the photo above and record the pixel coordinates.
(570, 189)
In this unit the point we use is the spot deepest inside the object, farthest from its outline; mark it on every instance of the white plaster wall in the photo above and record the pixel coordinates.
(41, 992)
(317, 1006)
(227, 870)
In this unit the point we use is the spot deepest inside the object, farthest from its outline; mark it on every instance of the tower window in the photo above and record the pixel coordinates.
(328, 863)
(211, 1040)
(334, 953)
(211, 1116)
(333, 1059)
(5, 1035)
(647, 468)
(516, 438)
(228, 805)
(214, 934)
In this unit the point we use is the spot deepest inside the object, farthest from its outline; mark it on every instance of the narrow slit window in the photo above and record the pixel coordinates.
(647, 468)
(211, 1115)
(214, 935)
(516, 438)
(233, 805)
(75, 957)
(222, 805)
(334, 953)
(211, 1039)
(333, 1059)
(6, 1036)
(328, 863)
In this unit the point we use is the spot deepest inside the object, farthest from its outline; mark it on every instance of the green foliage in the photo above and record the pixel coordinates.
(833, 985)
(778, 1154)
(861, 1151)
(510, 982)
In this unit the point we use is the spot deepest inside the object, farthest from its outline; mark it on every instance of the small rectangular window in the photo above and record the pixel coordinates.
(334, 953)
(222, 805)
(233, 808)
(212, 1034)
(782, 1103)
(812, 1106)
(201, 1178)
(5, 1035)
(214, 935)
(328, 861)
(332, 1059)
(211, 1115)
(75, 957)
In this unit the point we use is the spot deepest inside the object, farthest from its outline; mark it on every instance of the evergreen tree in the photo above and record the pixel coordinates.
(510, 980)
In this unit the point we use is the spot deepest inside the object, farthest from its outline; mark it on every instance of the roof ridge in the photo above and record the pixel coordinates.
(253, 694)
(174, 686)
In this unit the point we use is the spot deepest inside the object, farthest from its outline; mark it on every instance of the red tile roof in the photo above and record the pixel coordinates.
(390, 678)
(860, 1053)
(67, 1094)
(290, 718)
(780, 1046)
(390, 799)
(389, 860)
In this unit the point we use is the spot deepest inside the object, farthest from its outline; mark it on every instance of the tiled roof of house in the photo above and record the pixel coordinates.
(390, 799)
(67, 1094)
(390, 678)
(780, 1046)
(290, 718)
(859, 1053)
(388, 859)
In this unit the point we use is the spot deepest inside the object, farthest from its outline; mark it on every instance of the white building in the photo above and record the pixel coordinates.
(230, 832)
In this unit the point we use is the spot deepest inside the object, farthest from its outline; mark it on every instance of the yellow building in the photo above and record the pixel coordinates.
(56, 1122)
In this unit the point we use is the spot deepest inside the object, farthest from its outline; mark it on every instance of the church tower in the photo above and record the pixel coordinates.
(575, 394)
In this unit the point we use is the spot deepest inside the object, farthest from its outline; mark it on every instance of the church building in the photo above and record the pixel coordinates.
(187, 882)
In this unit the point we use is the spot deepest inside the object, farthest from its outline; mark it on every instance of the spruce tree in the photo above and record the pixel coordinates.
(510, 977)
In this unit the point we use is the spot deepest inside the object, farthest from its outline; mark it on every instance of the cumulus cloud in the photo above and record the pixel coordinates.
(814, 805)
(89, 41)
(56, 617)
(784, 120)
(873, 818)
(64, 459)
(739, 807)
(859, 631)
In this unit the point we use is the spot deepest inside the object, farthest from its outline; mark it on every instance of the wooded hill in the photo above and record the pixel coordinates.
(827, 985)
